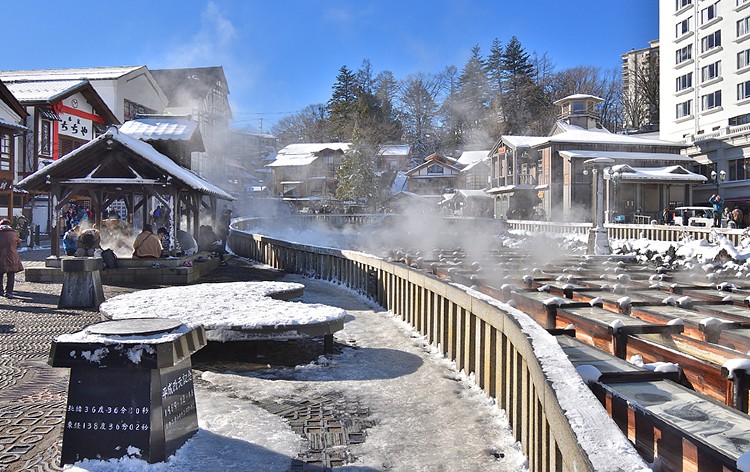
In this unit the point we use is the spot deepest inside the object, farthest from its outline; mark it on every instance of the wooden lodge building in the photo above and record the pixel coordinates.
(545, 174)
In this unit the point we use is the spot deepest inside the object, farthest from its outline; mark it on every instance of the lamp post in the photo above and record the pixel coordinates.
(717, 179)
(598, 239)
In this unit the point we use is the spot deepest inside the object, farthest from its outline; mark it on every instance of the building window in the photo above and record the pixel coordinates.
(709, 13)
(743, 90)
(743, 58)
(45, 138)
(743, 26)
(739, 120)
(131, 110)
(739, 169)
(684, 54)
(6, 151)
(711, 100)
(685, 81)
(684, 109)
(682, 4)
(710, 71)
(711, 41)
(684, 26)
(742, 2)
(435, 169)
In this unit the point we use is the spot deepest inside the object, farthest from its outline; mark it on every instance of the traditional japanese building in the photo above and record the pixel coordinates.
(12, 150)
(436, 176)
(306, 175)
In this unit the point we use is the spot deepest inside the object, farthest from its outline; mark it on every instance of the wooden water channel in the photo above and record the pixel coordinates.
(688, 416)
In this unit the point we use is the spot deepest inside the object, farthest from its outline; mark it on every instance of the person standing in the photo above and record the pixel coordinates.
(718, 204)
(10, 263)
(224, 221)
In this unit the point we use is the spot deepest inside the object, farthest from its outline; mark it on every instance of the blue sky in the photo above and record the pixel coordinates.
(282, 56)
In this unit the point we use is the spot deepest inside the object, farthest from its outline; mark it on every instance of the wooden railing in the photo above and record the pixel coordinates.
(559, 423)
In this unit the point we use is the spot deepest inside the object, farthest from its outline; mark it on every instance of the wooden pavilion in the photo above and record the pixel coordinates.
(116, 166)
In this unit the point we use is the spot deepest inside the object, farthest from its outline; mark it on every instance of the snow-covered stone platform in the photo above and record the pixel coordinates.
(235, 311)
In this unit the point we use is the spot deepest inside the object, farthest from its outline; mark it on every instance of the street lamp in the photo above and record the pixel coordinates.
(717, 179)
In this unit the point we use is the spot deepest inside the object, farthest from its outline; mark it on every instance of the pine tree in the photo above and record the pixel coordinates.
(356, 175)
(473, 99)
(341, 106)
(517, 86)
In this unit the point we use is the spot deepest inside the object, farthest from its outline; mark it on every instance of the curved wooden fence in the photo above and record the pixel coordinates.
(555, 417)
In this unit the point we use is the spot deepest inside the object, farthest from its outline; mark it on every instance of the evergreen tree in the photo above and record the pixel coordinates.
(473, 99)
(356, 175)
(517, 86)
(341, 106)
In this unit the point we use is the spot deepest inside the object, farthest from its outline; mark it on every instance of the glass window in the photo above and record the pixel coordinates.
(6, 152)
(738, 169)
(710, 71)
(743, 90)
(711, 41)
(709, 13)
(685, 81)
(743, 26)
(740, 120)
(435, 169)
(684, 54)
(743, 59)
(684, 108)
(682, 4)
(711, 100)
(683, 26)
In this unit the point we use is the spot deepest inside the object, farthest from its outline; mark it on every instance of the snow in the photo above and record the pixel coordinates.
(236, 305)
(428, 416)
(733, 365)
(589, 373)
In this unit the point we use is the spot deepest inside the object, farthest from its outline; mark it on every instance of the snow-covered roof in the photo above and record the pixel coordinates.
(674, 173)
(166, 127)
(524, 141)
(578, 96)
(628, 156)
(304, 154)
(394, 150)
(89, 73)
(43, 91)
(399, 182)
(471, 157)
(143, 149)
(575, 134)
(473, 193)
(10, 124)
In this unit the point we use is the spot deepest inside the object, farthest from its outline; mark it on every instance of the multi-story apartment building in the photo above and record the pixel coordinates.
(705, 91)
(640, 88)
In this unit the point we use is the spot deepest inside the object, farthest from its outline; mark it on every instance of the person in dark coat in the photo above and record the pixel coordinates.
(10, 263)
(224, 220)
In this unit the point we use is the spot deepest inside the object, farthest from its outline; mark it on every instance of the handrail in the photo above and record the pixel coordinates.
(552, 413)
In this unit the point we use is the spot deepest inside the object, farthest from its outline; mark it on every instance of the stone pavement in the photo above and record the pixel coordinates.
(33, 395)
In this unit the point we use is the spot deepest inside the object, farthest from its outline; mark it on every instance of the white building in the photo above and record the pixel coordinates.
(705, 90)
(640, 88)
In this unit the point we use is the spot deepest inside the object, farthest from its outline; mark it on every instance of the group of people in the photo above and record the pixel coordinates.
(153, 245)
(81, 242)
